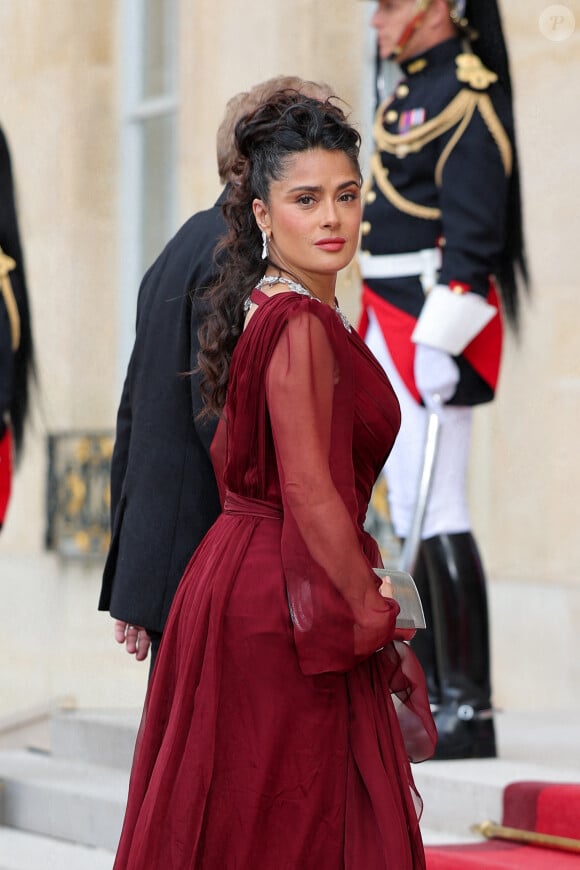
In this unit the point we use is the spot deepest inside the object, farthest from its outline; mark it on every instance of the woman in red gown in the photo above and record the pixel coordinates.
(275, 736)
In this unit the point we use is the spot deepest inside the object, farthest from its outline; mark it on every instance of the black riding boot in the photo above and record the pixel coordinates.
(464, 717)
(423, 644)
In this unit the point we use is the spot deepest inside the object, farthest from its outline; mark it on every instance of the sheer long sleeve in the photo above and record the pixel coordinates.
(339, 617)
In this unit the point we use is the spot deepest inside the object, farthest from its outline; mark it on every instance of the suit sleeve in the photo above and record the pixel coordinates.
(201, 276)
(338, 615)
(121, 448)
(120, 456)
(205, 428)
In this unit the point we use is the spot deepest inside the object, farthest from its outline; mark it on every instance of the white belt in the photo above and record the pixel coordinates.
(423, 264)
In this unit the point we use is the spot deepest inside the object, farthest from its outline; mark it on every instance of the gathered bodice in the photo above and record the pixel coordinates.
(364, 419)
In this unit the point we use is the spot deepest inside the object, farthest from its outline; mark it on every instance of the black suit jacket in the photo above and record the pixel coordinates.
(163, 490)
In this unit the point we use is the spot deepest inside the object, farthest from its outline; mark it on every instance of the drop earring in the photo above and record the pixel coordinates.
(264, 245)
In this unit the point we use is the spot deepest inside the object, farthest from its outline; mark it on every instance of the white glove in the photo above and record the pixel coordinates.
(436, 376)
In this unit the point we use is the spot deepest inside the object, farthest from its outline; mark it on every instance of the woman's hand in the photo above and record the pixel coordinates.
(386, 588)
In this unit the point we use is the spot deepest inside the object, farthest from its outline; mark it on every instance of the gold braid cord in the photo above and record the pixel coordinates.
(457, 114)
(7, 264)
(452, 143)
(495, 127)
(381, 176)
(416, 138)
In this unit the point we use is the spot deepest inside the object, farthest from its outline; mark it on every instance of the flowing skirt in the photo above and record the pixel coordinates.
(244, 763)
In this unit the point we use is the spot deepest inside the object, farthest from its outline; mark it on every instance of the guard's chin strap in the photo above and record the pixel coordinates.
(456, 13)
(415, 22)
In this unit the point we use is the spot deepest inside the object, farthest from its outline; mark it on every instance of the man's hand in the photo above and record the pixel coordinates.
(436, 376)
(135, 638)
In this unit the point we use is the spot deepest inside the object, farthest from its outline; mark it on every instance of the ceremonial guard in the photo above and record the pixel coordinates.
(441, 257)
(16, 352)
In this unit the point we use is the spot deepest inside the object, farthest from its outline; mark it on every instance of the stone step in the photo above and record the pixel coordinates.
(68, 804)
(101, 737)
(77, 792)
(445, 838)
(540, 745)
(24, 851)
(69, 800)
(459, 794)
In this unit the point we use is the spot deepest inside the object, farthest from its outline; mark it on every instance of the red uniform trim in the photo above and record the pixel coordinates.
(483, 353)
(415, 22)
(397, 327)
(5, 473)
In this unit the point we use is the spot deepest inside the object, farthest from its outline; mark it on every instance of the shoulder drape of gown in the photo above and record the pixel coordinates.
(269, 742)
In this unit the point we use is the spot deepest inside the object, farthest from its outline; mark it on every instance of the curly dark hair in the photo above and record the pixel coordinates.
(266, 139)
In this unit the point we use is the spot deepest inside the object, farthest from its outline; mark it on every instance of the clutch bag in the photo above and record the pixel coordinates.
(407, 597)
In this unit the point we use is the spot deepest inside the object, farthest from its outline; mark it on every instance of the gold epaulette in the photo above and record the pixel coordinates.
(7, 264)
(472, 72)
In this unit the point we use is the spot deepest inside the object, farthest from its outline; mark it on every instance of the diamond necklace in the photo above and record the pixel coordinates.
(269, 280)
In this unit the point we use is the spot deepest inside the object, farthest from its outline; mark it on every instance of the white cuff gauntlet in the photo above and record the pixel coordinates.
(449, 321)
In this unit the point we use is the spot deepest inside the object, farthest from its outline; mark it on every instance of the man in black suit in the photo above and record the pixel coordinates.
(164, 495)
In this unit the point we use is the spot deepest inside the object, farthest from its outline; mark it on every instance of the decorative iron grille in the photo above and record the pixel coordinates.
(78, 493)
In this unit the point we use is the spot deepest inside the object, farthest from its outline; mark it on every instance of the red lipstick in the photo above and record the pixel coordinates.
(336, 243)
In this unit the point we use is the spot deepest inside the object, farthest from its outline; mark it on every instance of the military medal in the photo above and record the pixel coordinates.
(411, 118)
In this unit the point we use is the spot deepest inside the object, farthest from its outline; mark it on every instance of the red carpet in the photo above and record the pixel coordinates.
(547, 808)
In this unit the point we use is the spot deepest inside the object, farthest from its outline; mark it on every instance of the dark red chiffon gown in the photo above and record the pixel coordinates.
(274, 735)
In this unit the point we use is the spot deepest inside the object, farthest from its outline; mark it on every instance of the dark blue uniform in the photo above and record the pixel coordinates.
(439, 179)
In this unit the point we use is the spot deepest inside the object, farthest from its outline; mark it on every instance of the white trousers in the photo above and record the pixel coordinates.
(447, 510)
